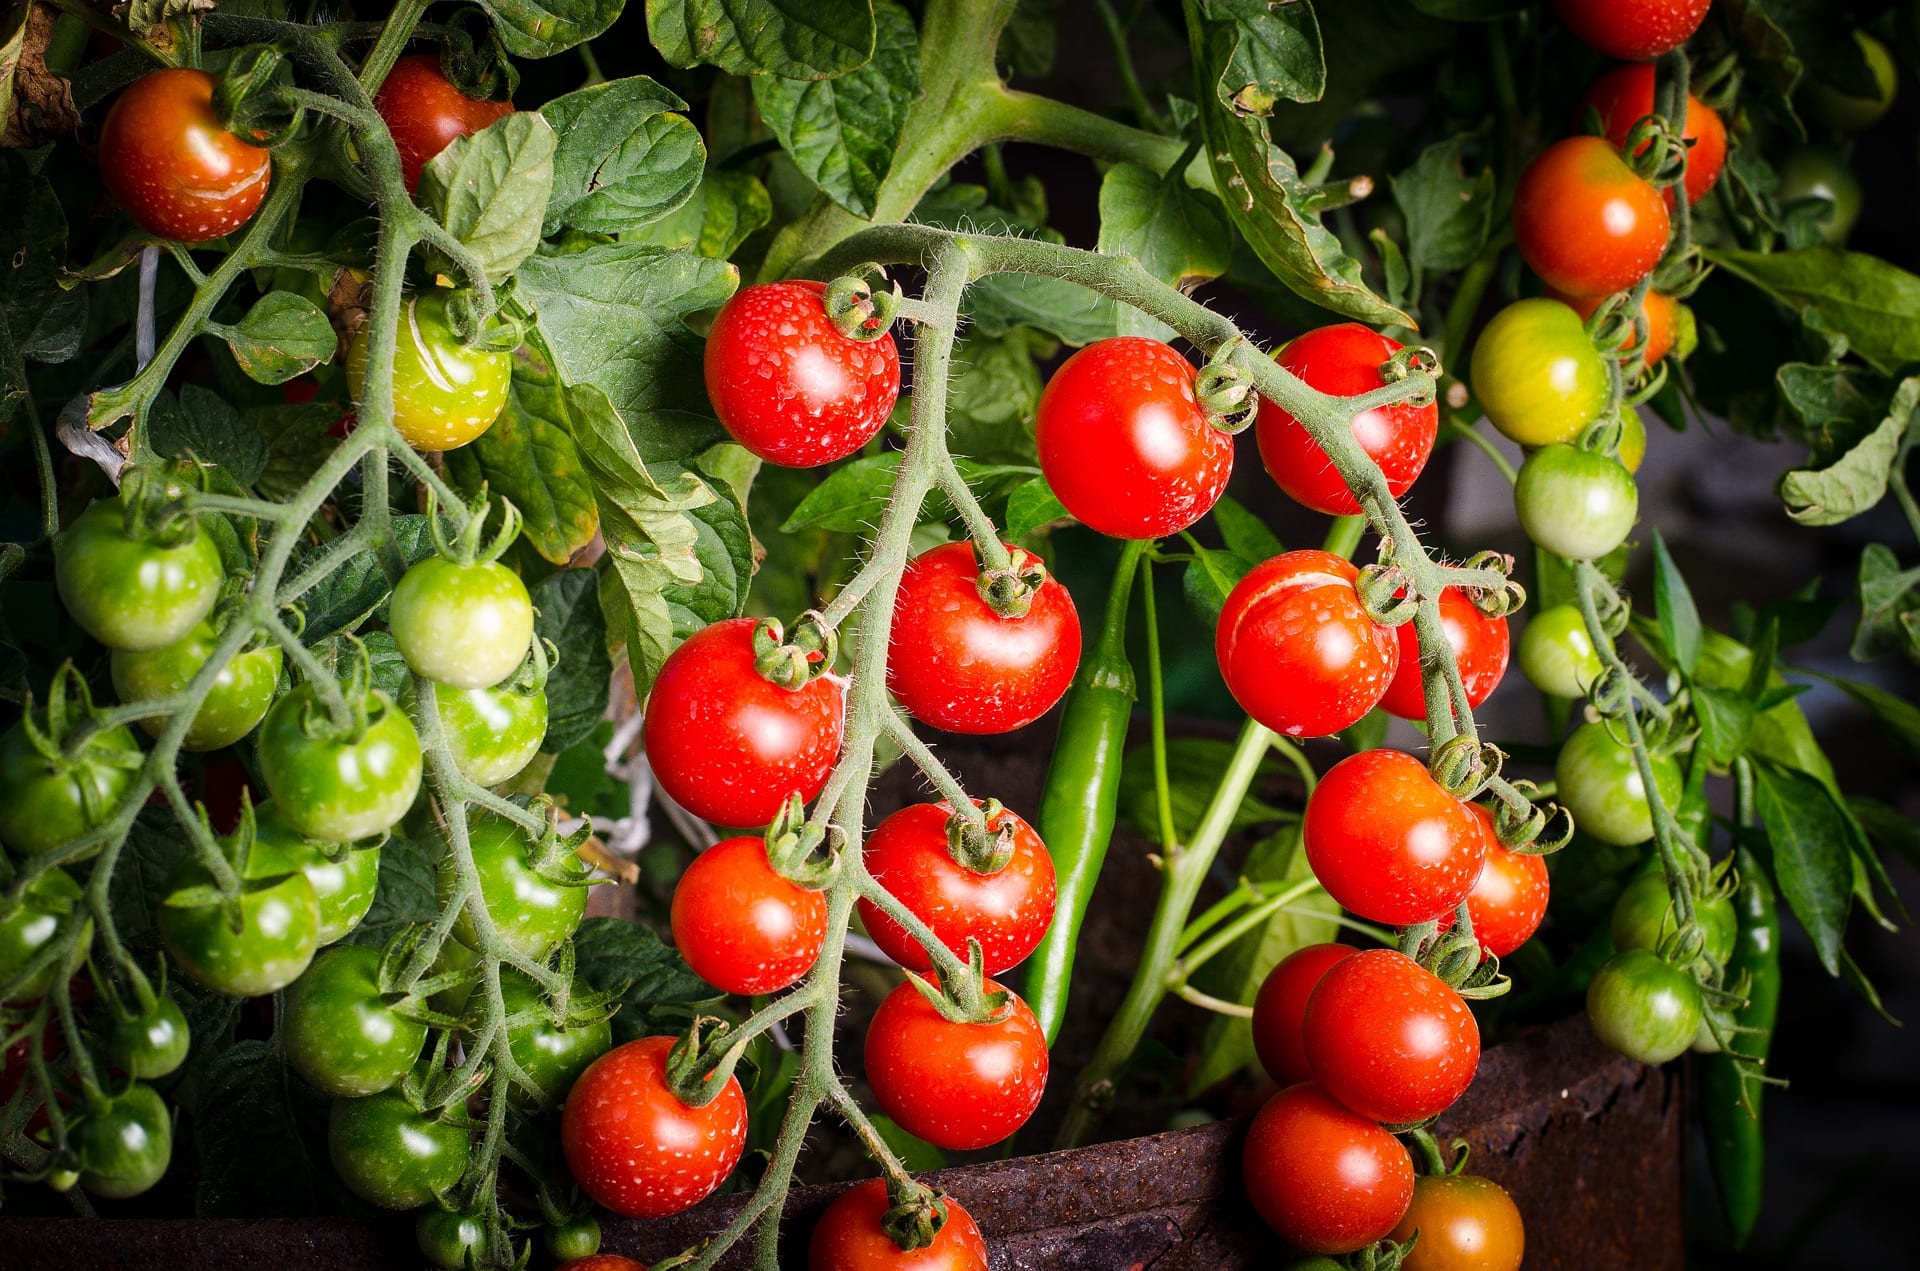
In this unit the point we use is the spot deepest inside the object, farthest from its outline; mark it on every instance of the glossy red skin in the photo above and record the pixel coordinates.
(958, 1086)
(1389, 1039)
(1387, 842)
(1280, 1010)
(1006, 911)
(956, 664)
(1632, 30)
(849, 1237)
(167, 161)
(788, 385)
(1124, 443)
(1327, 1180)
(634, 1147)
(1466, 1223)
(425, 112)
(730, 745)
(740, 925)
(1297, 650)
(1509, 899)
(602, 1262)
(1663, 314)
(1480, 646)
(1344, 360)
(1624, 96)
(1585, 222)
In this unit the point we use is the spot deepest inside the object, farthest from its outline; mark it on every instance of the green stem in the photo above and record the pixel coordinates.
(1157, 708)
(1117, 32)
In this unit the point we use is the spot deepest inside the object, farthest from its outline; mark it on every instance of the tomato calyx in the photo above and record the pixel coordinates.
(251, 105)
(700, 1065)
(63, 732)
(915, 1213)
(1225, 391)
(981, 840)
(1387, 593)
(793, 658)
(155, 506)
(963, 997)
(487, 330)
(856, 309)
(470, 544)
(1009, 589)
(1410, 360)
(802, 852)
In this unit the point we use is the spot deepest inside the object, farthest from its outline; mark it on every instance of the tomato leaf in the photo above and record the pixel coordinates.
(1179, 234)
(1837, 405)
(726, 207)
(1858, 479)
(40, 320)
(491, 191)
(1813, 841)
(402, 896)
(1673, 603)
(1209, 579)
(1236, 972)
(799, 39)
(656, 987)
(1032, 506)
(993, 394)
(842, 132)
(1874, 304)
(625, 157)
(1448, 214)
(852, 498)
(1028, 42)
(283, 335)
(1265, 53)
(247, 1139)
(1194, 765)
(299, 439)
(529, 456)
(1246, 535)
(202, 424)
(1889, 606)
(1726, 721)
(1896, 714)
(723, 546)
(1888, 827)
(567, 612)
(541, 28)
(351, 593)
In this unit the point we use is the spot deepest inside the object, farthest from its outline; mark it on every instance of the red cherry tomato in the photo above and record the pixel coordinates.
(425, 112)
(634, 1147)
(1280, 1010)
(1006, 911)
(1632, 30)
(1344, 360)
(958, 1086)
(1663, 317)
(167, 161)
(1389, 1039)
(956, 664)
(1509, 899)
(1124, 443)
(1466, 1223)
(602, 1262)
(849, 1237)
(1297, 650)
(1624, 96)
(788, 385)
(740, 925)
(1479, 644)
(730, 745)
(1387, 842)
(1326, 1179)
(1586, 222)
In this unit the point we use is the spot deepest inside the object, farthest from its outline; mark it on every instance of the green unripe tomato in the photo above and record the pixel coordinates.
(1575, 503)
(1809, 173)
(338, 788)
(492, 732)
(341, 1033)
(1641, 918)
(1643, 1008)
(45, 803)
(1536, 373)
(279, 931)
(573, 1239)
(450, 1239)
(232, 708)
(1557, 654)
(124, 1144)
(1845, 112)
(553, 1056)
(392, 1155)
(128, 593)
(343, 883)
(444, 393)
(49, 901)
(1599, 783)
(151, 1044)
(465, 626)
(530, 913)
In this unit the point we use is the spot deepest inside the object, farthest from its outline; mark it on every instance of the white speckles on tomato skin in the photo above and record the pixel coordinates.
(169, 164)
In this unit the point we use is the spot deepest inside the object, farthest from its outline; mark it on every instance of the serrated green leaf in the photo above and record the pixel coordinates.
(283, 335)
(842, 132)
(724, 548)
(800, 39)
(1449, 214)
(1031, 506)
(342, 599)
(1246, 535)
(1858, 479)
(625, 157)
(1876, 305)
(203, 425)
(993, 394)
(726, 207)
(854, 495)
(567, 612)
(490, 190)
(252, 1161)
(541, 28)
(1673, 603)
(654, 983)
(1208, 580)
(1179, 234)
(1889, 599)
(530, 457)
(1726, 721)
(1266, 52)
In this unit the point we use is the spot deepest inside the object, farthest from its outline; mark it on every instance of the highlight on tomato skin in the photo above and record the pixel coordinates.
(170, 165)
(1585, 222)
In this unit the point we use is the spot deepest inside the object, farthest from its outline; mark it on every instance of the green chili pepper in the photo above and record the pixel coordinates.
(1734, 1142)
(1082, 791)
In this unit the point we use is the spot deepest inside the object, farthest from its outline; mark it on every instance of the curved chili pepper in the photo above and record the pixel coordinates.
(1734, 1141)
(1082, 792)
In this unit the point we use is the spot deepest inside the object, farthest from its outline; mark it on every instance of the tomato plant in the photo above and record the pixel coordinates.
(849, 1237)
(743, 926)
(425, 111)
(955, 1083)
(1387, 842)
(1326, 1179)
(957, 663)
(550, 1049)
